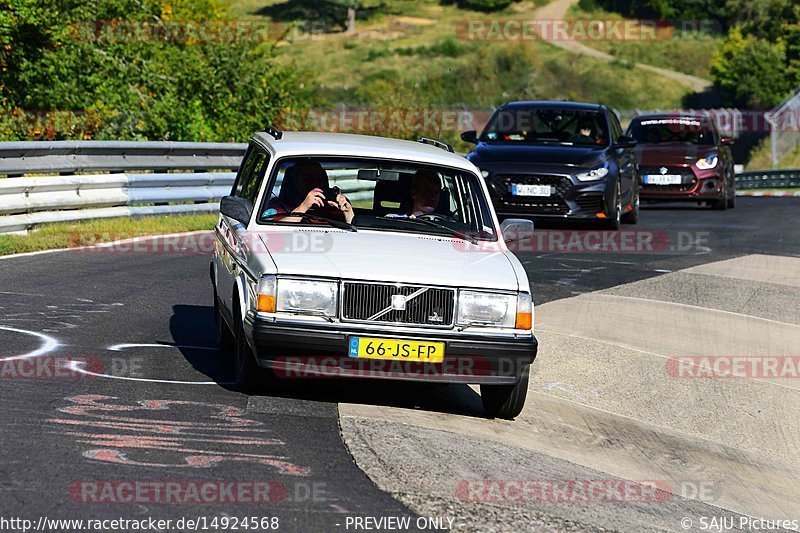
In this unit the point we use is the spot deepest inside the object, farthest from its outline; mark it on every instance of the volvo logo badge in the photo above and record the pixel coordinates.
(398, 302)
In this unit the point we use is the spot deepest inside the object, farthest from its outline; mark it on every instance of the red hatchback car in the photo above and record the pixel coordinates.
(682, 157)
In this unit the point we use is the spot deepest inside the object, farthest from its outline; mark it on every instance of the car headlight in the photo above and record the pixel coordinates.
(477, 308)
(594, 174)
(297, 296)
(707, 162)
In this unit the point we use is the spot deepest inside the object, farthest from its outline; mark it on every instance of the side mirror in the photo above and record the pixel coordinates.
(516, 229)
(470, 136)
(236, 208)
(726, 140)
(625, 142)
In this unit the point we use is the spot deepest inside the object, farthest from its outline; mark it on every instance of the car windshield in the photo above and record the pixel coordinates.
(384, 195)
(672, 130)
(546, 125)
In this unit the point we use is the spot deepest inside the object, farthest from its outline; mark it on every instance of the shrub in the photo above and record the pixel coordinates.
(139, 87)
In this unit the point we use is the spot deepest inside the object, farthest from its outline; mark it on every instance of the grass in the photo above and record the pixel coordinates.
(761, 158)
(71, 234)
(689, 52)
(413, 57)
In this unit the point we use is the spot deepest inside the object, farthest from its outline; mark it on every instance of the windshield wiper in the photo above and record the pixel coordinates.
(335, 223)
(451, 231)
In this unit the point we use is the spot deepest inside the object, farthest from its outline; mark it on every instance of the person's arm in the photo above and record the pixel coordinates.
(314, 198)
(343, 205)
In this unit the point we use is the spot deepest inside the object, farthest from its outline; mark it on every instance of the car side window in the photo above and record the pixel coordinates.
(616, 129)
(252, 174)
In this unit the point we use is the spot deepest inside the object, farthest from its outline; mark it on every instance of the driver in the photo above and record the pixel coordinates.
(426, 189)
(584, 133)
(310, 182)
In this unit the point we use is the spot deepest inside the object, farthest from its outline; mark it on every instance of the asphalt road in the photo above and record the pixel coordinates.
(157, 408)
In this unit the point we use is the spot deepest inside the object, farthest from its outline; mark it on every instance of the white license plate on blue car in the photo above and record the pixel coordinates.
(518, 189)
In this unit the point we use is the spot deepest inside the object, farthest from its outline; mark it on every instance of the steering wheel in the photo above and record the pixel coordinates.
(435, 217)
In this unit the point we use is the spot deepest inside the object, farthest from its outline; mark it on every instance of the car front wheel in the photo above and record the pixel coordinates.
(614, 220)
(247, 371)
(225, 336)
(632, 216)
(505, 401)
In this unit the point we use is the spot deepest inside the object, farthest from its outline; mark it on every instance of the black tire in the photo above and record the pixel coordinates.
(614, 221)
(632, 217)
(722, 203)
(505, 401)
(248, 374)
(732, 199)
(227, 340)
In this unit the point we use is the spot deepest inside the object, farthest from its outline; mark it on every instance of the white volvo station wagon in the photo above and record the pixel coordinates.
(359, 256)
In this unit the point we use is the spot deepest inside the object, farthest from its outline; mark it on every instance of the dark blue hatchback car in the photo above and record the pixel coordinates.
(558, 159)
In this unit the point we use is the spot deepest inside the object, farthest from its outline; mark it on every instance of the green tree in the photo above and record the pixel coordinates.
(141, 69)
(750, 71)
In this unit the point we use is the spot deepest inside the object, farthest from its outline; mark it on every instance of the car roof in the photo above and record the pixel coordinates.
(295, 143)
(554, 104)
(656, 116)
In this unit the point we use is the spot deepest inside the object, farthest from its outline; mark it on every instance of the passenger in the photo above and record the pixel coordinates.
(426, 190)
(309, 183)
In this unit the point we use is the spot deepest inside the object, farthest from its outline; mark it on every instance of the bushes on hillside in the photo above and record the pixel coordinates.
(136, 69)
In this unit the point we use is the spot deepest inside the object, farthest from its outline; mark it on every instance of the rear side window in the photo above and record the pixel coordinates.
(251, 174)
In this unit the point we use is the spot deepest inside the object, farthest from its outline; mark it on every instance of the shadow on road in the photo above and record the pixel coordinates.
(193, 325)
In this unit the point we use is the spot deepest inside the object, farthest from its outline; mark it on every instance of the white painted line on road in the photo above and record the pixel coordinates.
(120, 347)
(698, 307)
(645, 352)
(48, 344)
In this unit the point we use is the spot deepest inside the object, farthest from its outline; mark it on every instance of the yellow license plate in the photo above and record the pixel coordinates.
(396, 349)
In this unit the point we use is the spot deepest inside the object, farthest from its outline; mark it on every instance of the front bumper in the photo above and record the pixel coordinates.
(568, 199)
(698, 185)
(310, 351)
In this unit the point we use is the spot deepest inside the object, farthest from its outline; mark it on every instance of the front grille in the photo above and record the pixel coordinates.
(363, 301)
(590, 201)
(553, 204)
(687, 176)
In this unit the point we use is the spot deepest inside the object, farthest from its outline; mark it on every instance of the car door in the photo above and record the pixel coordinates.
(626, 160)
(231, 234)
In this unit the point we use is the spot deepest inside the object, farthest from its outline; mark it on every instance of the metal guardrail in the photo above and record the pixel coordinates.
(18, 158)
(768, 179)
(47, 181)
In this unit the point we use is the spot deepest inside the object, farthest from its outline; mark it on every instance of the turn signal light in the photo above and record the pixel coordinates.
(601, 215)
(524, 311)
(524, 320)
(267, 288)
(266, 303)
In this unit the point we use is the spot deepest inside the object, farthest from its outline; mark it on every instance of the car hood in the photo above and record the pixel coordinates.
(543, 154)
(393, 257)
(670, 154)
